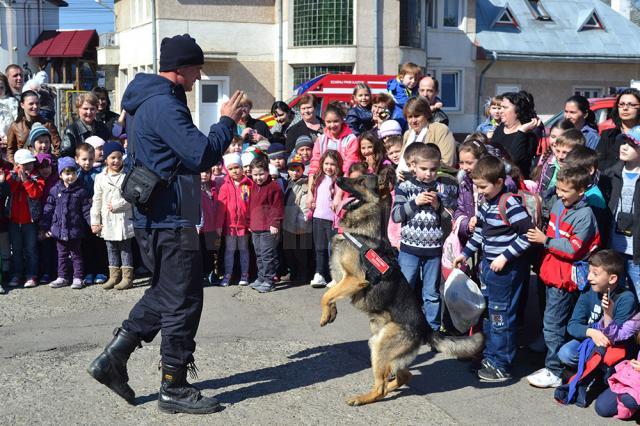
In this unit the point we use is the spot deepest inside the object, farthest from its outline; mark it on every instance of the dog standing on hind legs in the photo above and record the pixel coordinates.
(364, 267)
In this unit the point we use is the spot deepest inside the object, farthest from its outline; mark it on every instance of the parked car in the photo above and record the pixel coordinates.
(328, 88)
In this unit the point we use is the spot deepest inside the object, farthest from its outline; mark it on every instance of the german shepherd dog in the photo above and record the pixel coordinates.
(398, 325)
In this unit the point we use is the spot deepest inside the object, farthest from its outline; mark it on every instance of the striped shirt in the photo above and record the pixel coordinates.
(496, 237)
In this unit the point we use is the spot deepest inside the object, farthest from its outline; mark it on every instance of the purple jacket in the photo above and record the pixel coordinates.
(619, 333)
(466, 205)
(66, 212)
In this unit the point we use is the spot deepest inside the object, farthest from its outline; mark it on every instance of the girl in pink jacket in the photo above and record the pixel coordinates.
(232, 219)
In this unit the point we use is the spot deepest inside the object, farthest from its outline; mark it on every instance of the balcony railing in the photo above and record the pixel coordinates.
(108, 39)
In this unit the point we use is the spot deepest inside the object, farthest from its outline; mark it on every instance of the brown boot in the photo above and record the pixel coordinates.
(127, 278)
(115, 275)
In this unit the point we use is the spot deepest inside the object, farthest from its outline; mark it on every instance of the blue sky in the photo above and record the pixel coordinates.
(87, 14)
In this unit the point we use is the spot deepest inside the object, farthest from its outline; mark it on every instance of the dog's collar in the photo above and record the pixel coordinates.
(368, 253)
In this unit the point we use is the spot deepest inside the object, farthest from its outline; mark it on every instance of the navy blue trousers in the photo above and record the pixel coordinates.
(173, 303)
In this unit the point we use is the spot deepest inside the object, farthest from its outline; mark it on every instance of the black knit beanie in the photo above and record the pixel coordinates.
(179, 51)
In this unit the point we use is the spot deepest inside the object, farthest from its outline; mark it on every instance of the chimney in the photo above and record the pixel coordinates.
(623, 7)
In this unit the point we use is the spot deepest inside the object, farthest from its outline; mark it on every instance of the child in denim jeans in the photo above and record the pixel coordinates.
(502, 269)
(417, 205)
(571, 235)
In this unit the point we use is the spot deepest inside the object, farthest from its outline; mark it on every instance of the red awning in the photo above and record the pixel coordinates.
(63, 44)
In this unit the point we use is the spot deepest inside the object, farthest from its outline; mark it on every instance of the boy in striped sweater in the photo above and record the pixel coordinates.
(571, 236)
(502, 269)
(417, 205)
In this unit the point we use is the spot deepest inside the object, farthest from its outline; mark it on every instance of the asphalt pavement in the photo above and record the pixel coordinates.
(263, 355)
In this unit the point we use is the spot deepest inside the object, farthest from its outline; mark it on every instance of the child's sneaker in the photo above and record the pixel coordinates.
(77, 284)
(544, 378)
(264, 288)
(489, 373)
(89, 279)
(225, 281)
(45, 278)
(15, 282)
(244, 280)
(276, 278)
(318, 281)
(256, 283)
(31, 282)
(2, 290)
(100, 279)
(331, 284)
(58, 282)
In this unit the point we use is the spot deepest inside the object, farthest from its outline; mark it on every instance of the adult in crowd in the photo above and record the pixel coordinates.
(104, 114)
(285, 118)
(578, 111)
(429, 88)
(310, 125)
(164, 140)
(515, 134)
(382, 108)
(251, 130)
(84, 127)
(8, 110)
(625, 116)
(15, 76)
(28, 114)
(417, 113)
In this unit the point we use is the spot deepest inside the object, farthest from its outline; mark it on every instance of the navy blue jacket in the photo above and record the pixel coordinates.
(588, 310)
(166, 140)
(359, 120)
(66, 212)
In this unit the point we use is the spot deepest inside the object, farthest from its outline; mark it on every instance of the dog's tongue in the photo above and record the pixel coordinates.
(344, 202)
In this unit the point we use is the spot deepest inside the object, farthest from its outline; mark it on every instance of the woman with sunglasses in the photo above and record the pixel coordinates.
(625, 116)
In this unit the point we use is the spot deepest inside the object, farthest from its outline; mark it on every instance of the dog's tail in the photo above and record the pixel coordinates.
(460, 347)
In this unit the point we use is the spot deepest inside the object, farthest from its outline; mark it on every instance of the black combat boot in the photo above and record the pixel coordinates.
(178, 396)
(110, 368)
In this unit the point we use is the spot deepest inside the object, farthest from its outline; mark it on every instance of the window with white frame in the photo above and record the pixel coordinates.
(451, 13)
(140, 11)
(451, 89)
(589, 92)
(432, 13)
(322, 22)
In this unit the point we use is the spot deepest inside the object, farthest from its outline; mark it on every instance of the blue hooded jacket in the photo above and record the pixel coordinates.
(166, 140)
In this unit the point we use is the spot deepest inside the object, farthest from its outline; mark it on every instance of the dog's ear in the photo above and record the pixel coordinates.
(371, 182)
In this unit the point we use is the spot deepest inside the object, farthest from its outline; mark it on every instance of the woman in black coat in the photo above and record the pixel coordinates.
(625, 115)
(310, 125)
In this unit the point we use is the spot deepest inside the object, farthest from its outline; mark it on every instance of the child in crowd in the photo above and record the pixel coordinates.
(393, 147)
(5, 241)
(336, 136)
(606, 270)
(493, 117)
(297, 232)
(502, 268)
(571, 236)
(235, 145)
(278, 158)
(217, 175)
(622, 399)
(47, 246)
(246, 158)
(94, 266)
(98, 155)
(621, 187)
(265, 220)
(417, 205)
(404, 86)
(372, 152)
(65, 217)
(389, 129)
(588, 158)
(304, 148)
(209, 239)
(232, 220)
(359, 118)
(112, 218)
(321, 206)
(39, 139)
(548, 158)
(26, 187)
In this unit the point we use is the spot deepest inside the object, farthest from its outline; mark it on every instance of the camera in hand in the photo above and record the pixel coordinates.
(624, 224)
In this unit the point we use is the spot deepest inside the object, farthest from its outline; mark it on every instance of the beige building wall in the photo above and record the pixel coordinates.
(551, 83)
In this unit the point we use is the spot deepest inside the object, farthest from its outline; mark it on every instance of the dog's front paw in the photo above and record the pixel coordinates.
(328, 314)
(354, 401)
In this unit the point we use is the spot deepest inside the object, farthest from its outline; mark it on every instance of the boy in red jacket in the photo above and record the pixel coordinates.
(266, 211)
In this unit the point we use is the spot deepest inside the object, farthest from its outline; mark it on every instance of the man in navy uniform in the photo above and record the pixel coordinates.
(165, 140)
